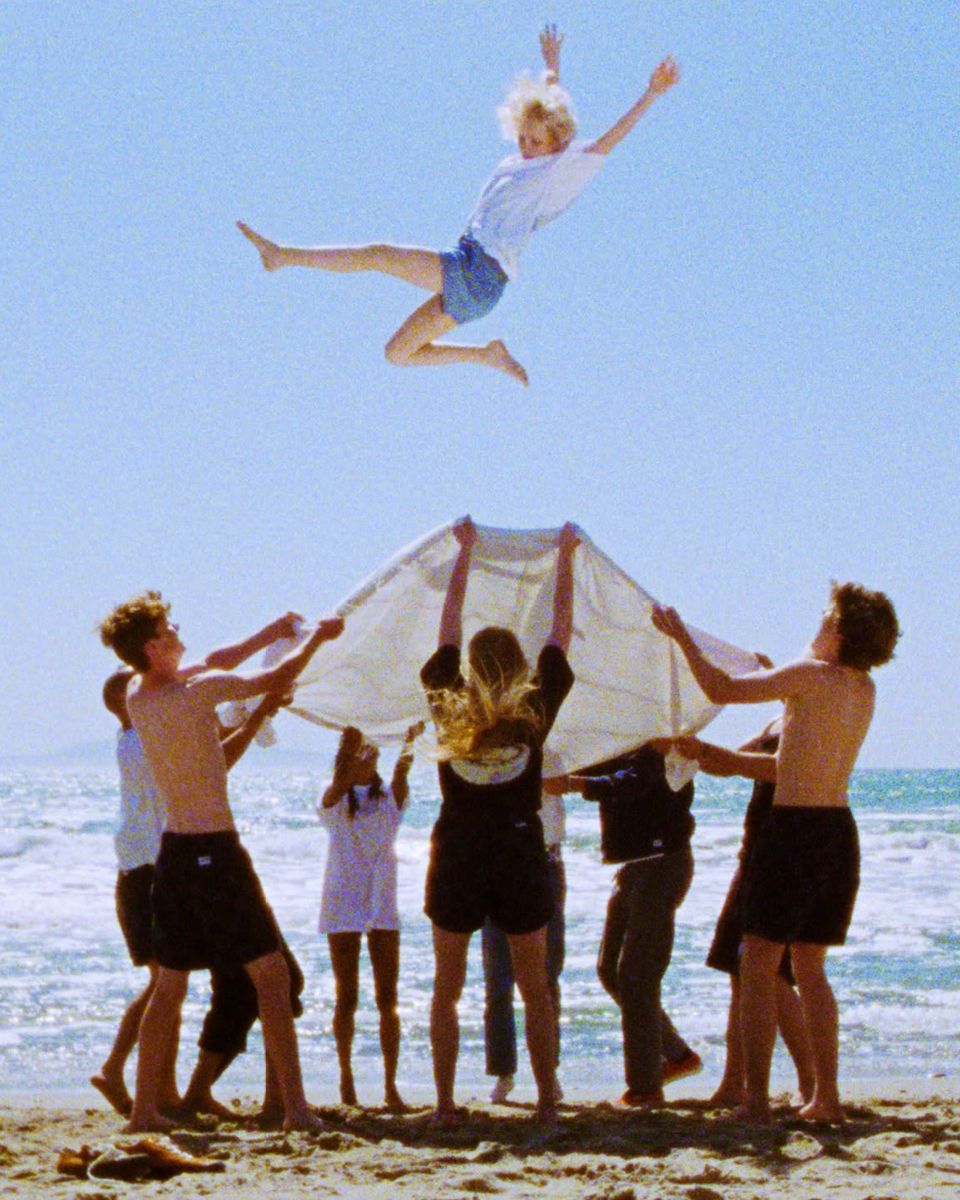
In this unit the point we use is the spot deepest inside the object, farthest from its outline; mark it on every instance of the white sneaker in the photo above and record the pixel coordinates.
(501, 1089)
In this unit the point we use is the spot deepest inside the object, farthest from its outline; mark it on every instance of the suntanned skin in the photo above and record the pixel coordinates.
(173, 712)
(827, 711)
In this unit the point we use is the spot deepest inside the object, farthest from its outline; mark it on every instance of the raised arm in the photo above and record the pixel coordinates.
(399, 784)
(719, 686)
(550, 43)
(236, 741)
(717, 760)
(562, 630)
(228, 658)
(451, 618)
(663, 78)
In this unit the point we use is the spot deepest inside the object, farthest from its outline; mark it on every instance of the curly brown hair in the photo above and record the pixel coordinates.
(131, 625)
(867, 625)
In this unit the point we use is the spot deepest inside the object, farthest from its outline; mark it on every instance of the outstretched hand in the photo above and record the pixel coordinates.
(667, 621)
(664, 77)
(465, 532)
(568, 539)
(550, 43)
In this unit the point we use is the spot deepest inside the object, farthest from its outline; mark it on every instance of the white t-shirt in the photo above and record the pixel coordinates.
(524, 193)
(137, 839)
(360, 880)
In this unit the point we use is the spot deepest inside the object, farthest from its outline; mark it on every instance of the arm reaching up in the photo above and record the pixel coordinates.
(451, 618)
(562, 630)
(663, 78)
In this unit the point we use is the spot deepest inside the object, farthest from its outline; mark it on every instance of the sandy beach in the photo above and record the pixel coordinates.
(900, 1148)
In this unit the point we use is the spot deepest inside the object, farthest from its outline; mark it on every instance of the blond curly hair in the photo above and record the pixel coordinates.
(541, 100)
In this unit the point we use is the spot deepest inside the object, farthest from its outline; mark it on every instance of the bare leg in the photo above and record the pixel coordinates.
(199, 1098)
(820, 1011)
(758, 1021)
(109, 1082)
(384, 948)
(529, 954)
(730, 1092)
(157, 1030)
(270, 1115)
(345, 960)
(413, 344)
(412, 264)
(793, 1030)
(271, 978)
(450, 970)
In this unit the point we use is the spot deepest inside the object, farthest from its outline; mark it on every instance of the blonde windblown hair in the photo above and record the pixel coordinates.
(494, 710)
(538, 100)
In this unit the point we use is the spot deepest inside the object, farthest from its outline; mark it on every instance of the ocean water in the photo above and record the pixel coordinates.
(65, 977)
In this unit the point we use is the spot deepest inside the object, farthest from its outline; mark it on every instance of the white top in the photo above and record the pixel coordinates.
(137, 839)
(552, 819)
(360, 880)
(524, 193)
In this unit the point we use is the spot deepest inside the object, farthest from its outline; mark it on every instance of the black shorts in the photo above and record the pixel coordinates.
(209, 910)
(234, 1008)
(801, 880)
(724, 952)
(135, 913)
(500, 871)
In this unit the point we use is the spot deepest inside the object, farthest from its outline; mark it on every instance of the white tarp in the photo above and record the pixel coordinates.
(631, 681)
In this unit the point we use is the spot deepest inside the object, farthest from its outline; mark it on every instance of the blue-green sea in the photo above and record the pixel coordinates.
(65, 977)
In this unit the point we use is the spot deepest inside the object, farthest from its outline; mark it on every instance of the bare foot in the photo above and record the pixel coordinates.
(269, 1117)
(303, 1121)
(448, 1118)
(727, 1097)
(500, 357)
(348, 1093)
(151, 1122)
(545, 1113)
(114, 1091)
(817, 1110)
(394, 1101)
(269, 251)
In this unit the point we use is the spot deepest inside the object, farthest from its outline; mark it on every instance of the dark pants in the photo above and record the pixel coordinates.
(634, 956)
(499, 1026)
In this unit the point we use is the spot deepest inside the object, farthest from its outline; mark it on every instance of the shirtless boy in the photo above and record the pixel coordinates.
(209, 909)
(801, 884)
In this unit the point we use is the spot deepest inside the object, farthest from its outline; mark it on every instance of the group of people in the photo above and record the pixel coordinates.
(189, 898)
(200, 904)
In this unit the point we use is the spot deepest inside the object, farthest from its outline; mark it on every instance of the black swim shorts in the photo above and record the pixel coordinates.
(135, 913)
(800, 883)
(209, 910)
(498, 870)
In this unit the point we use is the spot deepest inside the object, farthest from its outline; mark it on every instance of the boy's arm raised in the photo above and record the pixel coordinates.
(562, 630)
(228, 658)
(719, 686)
(663, 78)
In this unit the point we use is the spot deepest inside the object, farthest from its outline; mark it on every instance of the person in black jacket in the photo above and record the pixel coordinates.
(646, 827)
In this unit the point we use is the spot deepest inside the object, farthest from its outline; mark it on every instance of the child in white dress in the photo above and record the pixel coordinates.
(362, 817)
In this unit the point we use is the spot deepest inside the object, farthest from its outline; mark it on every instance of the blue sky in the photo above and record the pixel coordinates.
(742, 340)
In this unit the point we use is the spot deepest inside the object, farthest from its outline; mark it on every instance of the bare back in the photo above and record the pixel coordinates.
(178, 728)
(824, 725)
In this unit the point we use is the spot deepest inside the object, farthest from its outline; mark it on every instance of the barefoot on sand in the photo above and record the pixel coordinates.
(304, 1122)
(269, 251)
(500, 357)
(114, 1091)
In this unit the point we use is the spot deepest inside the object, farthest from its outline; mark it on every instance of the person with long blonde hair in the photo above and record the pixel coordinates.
(487, 854)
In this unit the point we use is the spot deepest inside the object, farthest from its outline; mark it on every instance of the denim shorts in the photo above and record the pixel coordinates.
(473, 282)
